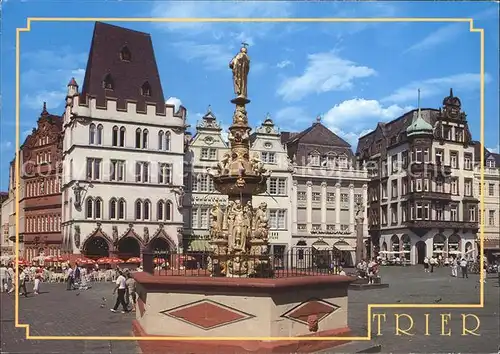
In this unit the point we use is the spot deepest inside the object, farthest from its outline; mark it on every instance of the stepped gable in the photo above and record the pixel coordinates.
(122, 66)
(315, 138)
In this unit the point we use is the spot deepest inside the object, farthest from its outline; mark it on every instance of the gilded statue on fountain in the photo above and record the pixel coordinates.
(239, 234)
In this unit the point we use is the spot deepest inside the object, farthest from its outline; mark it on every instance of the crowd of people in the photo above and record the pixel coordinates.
(368, 270)
(76, 278)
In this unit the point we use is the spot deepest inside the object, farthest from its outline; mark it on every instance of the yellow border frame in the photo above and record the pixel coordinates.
(370, 306)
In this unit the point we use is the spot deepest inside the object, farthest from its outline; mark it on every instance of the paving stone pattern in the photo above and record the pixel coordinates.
(64, 313)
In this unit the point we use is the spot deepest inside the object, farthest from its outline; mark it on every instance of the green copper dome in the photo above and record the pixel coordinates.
(419, 126)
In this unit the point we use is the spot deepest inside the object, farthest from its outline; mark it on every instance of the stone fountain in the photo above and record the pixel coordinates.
(239, 234)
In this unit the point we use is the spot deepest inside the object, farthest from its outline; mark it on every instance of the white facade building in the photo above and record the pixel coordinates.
(123, 153)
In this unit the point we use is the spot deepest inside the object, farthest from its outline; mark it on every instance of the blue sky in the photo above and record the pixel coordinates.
(353, 74)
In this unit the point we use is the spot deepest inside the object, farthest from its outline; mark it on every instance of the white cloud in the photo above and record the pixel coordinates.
(292, 118)
(53, 99)
(441, 35)
(213, 56)
(325, 72)
(53, 68)
(466, 82)
(447, 33)
(217, 9)
(362, 111)
(175, 101)
(6, 146)
(283, 64)
(353, 118)
(494, 150)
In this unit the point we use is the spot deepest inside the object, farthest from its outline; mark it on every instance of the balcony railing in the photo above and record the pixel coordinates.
(443, 224)
(429, 195)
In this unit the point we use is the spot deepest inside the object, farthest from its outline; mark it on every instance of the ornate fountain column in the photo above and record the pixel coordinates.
(239, 234)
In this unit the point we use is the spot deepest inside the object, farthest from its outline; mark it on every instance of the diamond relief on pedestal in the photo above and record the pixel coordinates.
(317, 307)
(207, 314)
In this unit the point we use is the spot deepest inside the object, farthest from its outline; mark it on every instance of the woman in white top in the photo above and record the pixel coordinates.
(426, 264)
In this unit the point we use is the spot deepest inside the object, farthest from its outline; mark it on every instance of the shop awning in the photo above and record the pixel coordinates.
(344, 247)
(199, 246)
(321, 245)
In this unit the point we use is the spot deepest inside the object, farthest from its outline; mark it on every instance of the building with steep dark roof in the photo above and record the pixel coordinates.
(420, 196)
(123, 152)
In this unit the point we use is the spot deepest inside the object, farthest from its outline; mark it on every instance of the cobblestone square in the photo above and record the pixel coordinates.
(69, 313)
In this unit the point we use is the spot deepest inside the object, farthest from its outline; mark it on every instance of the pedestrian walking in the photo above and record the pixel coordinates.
(3, 278)
(426, 264)
(485, 271)
(121, 288)
(131, 291)
(433, 262)
(454, 267)
(36, 286)
(10, 278)
(463, 266)
(23, 278)
(70, 280)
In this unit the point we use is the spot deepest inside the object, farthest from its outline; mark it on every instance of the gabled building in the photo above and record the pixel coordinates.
(40, 197)
(420, 196)
(490, 219)
(123, 152)
(202, 152)
(327, 185)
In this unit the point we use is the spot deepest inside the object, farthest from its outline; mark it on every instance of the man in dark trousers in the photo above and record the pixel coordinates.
(463, 266)
(121, 288)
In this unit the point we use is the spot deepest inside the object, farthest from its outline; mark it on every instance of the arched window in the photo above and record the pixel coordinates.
(145, 139)
(167, 141)
(168, 211)
(147, 210)
(107, 83)
(121, 209)
(138, 210)
(159, 210)
(122, 136)
(99, 135)
(114, 136)
(125, 54)
(160, 140)
(92, 132)
(112, 209)
(89, 208)
(146, 89)
(138, 135)
(98, 209)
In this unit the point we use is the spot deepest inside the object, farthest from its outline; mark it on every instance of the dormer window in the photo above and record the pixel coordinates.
(490, 163)
(146, 89)
(107, 83)
(314, 159)
(125, 54)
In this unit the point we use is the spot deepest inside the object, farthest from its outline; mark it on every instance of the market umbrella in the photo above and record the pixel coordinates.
(62, 258)
(50, 259)
(84, 260)
(115, 260)
(134, 260)
(104, 260)
(159, 261)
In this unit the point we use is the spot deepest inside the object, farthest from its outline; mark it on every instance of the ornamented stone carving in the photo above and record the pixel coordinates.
(77, 236)
(114, 234)
(146, 234)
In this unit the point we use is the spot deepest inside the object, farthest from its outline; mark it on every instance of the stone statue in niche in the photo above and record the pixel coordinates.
(216, 221)
(77, 190)
(179, 192)
(115, 234)
(146, 234)
(77, 236)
